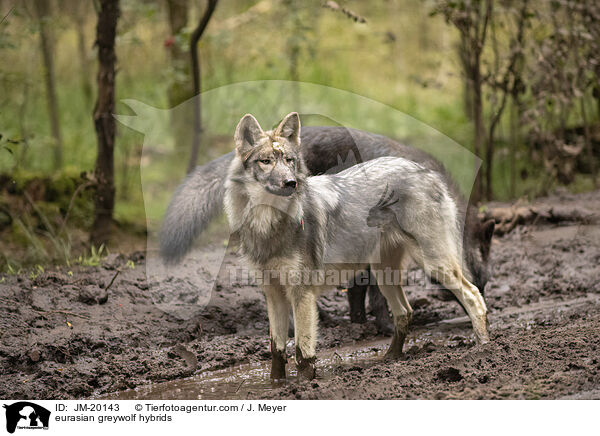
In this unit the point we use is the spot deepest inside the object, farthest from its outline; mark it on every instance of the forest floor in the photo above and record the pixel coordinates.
(65, 335)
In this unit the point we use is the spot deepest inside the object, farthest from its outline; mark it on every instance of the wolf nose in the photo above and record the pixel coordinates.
(290, 183)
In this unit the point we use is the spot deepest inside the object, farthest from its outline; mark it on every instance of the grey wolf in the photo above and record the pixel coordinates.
(325, 149)
(373, 214)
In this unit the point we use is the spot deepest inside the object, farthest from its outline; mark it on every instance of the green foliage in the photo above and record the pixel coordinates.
(93, 258)
(39, 269)
(43, 245)
(12, 270)
(401, 56)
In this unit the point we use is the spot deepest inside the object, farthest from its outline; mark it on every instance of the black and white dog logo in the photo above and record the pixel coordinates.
(26, 415)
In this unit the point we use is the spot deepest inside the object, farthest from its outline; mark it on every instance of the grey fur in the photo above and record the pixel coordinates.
(195, 203)
(325, 150)
(324, 225)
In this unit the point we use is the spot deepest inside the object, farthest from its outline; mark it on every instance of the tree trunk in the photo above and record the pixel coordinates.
(43, 13)
(180, 90)
(597, 97)
(588, 143)
(293, 47)
(514, 140)
(490, 146)
(178, 17)
(478, 119)
(181, 87)
(210, 8)
(80, 13)
(489, 164)
(104, 121)
(463, 55)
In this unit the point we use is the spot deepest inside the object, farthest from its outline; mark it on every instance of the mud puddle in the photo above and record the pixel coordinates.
(543, 299)
(252, 379)
(239, 381)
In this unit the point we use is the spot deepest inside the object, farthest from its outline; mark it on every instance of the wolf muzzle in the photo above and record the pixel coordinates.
(287, 188)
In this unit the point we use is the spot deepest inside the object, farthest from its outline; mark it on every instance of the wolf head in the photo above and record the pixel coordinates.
(477, 243)
(272, 159)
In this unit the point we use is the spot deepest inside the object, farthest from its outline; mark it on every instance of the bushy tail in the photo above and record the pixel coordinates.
(193, 206)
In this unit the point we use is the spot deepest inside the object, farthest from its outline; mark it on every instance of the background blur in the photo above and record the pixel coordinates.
(514, 81)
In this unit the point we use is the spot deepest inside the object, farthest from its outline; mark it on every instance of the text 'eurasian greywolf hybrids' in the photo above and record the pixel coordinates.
(291, 225)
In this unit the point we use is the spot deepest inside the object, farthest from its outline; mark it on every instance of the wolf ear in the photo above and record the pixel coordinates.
(247, 133)
(290, 128)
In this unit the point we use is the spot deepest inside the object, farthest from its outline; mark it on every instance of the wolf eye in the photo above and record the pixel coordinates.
(265, 161)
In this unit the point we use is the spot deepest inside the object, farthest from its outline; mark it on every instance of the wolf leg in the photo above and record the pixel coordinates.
(396, 299)
(445, 269)
(468, 295)
(304, 305)
(402, 319)
(356, 300)
(379, 309)
(471, 299)
(324, 317)
(278, 309)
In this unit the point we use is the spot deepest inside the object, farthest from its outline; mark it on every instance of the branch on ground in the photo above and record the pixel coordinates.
(507, 218)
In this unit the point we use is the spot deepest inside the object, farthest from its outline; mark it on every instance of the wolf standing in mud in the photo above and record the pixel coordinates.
(290, 225)
(325, 149)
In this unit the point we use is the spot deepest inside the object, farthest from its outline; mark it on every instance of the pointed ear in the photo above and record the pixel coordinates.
(247, 133)
(290, 128)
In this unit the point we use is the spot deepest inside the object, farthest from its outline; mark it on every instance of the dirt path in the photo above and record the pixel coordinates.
(63, 335)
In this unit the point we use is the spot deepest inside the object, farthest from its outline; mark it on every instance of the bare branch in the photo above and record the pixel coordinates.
(334, 6)
(196, 35)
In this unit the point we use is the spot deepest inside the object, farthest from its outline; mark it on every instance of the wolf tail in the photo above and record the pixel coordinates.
(197, 201)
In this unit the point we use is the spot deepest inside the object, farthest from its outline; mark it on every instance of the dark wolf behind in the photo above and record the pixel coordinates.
(325, 149)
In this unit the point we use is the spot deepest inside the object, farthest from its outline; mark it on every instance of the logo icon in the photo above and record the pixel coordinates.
(26, 415)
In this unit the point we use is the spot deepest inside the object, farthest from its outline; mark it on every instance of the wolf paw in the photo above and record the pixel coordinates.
(393, 355)
(278, 370)
(306, 366)
(278, 362)
(395, 350)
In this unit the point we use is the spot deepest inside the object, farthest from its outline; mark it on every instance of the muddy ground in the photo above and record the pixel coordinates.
(64, 335)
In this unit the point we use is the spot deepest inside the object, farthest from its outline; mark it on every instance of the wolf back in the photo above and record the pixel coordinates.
(199, 199)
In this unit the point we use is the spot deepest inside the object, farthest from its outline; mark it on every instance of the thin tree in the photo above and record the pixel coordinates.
(196, 35)
(181, 87)
(42, 8)
(104, 121)
(471, 19)
(80, 10)
(293, 46)
(509, 83)
(178, 17)
(584, 69)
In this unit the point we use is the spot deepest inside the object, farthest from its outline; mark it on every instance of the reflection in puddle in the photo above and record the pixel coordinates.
(238, 381)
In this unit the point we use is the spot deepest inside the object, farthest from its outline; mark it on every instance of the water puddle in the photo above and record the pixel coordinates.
(239, 381)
